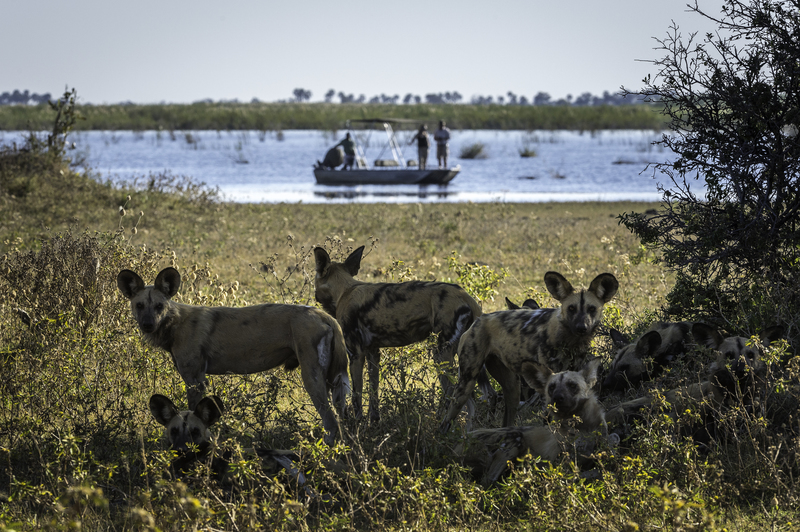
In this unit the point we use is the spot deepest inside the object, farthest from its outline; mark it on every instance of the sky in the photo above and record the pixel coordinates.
(147, 51)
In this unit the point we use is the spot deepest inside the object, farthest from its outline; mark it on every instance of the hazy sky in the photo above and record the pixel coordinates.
(146, 51)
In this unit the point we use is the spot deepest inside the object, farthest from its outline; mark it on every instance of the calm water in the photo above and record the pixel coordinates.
(568, 166)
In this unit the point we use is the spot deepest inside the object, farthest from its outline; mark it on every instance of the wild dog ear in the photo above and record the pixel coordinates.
(323, 261)
(536, 375)
(648, 344)
(353, 262)
(706, 335)
(604, 286)
(162, 408)
(168, 281)
(129, 283)
(589, 371)
(772, 334)
(510, 305)
(209, 409)
(557, 285)
(531, 304)
(619, 339)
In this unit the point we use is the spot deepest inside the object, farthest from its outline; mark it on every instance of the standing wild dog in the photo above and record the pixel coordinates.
(218, 340)
(643, 360)
(577, 415)
(375, 315)
(558, 338)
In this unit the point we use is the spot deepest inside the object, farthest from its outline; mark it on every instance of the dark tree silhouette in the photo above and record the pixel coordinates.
(729, 224)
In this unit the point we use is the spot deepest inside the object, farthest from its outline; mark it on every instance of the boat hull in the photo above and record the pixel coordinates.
(385, 176)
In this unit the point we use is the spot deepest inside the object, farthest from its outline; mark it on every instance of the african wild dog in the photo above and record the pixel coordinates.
(739, 367)
(218, 340)
(187, 427)
(732, 380)
(577, 416)
(375, 315)
(558, 338)
(188, 434)
(529, 303)
(643, 360)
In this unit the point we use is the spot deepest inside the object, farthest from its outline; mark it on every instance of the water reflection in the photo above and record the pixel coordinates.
(439, 192)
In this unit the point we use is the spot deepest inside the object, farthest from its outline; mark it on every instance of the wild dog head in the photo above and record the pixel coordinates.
(149, 304)
(742, 355)
(570, 392)
(582, 311)
(632, 362)
(333, 278)
(642, 361)
(529, 304)
(187, 427)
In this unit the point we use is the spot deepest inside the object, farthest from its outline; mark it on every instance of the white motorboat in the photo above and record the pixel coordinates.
(394, 171)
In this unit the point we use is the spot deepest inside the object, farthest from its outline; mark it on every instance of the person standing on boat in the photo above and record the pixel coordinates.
(349, 147)
(423, 143)
(442, 138)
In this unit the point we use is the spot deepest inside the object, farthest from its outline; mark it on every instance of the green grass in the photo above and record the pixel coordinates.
(280, 116)
(79, 447)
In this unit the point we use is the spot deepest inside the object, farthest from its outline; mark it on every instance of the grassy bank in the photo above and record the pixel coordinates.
(280, 116)
(79, 447)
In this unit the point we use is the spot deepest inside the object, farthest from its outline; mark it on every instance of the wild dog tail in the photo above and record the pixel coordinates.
(338, 378)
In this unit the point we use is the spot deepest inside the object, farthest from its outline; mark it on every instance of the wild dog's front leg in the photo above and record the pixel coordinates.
(194, 376)
(374, 369)
(444, 357)
(509, 382)
(460, 397)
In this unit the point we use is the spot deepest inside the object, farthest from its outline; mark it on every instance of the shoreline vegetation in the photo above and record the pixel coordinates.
(329, 116)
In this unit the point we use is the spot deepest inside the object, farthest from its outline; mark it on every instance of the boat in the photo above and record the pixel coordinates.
(394, 171)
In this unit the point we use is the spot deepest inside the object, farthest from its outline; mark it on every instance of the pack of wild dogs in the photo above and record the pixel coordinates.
(541, 355)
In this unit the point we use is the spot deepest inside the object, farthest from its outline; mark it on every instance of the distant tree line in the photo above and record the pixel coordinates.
(510, 98)
(24, 98)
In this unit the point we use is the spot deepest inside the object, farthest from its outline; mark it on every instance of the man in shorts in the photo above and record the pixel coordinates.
(349, 147)
(442, 138)
(422, 145)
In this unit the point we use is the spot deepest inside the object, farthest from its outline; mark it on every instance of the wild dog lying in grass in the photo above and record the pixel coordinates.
(219, 340)
(189, 435)
(375, 315)
(188, 431)
(644, 359)
(578, 422)
(739, 367)
(732, 380)
(556, 338)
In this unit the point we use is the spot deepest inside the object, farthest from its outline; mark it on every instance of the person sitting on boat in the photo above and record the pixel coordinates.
(442, 137)
(349, 147)
(423, 143)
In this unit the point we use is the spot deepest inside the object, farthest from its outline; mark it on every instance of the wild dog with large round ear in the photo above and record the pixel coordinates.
(558, 338)
(738, 367)
(642, 360)
(376, 315)
(219, 340)
(570, 395)
(187, 426)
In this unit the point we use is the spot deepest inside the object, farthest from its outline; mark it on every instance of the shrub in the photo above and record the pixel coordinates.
(734, 105)
(476, 150)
